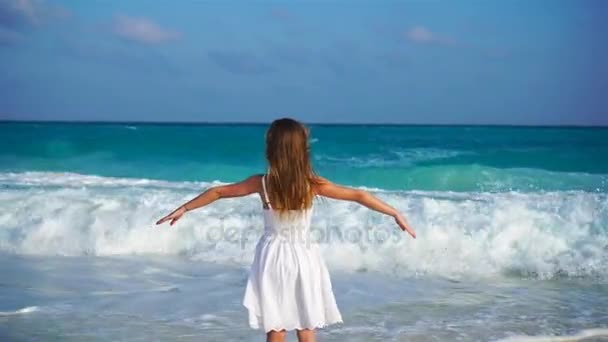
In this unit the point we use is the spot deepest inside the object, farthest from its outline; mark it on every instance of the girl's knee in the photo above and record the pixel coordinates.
(306, 335)
(276, 336)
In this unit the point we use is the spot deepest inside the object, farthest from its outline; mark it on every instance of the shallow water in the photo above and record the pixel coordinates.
(161, 298)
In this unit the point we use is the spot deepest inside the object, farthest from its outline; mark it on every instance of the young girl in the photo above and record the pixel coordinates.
(289, 286)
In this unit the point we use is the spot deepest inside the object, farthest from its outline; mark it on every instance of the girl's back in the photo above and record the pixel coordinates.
(289, 285)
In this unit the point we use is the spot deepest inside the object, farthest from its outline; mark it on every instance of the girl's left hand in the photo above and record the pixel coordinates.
(404, 225)
(174, 216)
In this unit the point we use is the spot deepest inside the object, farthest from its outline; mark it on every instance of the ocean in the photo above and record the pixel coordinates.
(512, 227)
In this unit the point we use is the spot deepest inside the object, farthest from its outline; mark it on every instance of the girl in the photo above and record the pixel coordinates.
(289, 286)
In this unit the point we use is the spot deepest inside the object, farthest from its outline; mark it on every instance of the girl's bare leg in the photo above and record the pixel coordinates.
(276, 336)
(306, 335)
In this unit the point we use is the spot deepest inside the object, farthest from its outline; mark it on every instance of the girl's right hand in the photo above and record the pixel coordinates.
(174, 216)
(400, 220)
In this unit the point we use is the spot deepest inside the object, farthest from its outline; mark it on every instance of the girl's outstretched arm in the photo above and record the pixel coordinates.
(326, 188)
(243, 188)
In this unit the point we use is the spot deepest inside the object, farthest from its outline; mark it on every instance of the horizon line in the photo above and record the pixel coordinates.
(260, 123)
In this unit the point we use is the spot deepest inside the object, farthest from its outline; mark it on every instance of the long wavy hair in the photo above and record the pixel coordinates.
(290, 173)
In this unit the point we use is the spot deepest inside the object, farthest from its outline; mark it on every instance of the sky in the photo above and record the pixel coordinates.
(518, 62)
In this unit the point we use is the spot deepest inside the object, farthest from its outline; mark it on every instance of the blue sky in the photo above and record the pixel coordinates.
(424, 62)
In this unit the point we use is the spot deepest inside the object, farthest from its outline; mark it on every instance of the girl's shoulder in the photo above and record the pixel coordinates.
(319, 180)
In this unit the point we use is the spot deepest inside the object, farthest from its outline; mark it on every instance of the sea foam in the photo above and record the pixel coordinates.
(466, 234)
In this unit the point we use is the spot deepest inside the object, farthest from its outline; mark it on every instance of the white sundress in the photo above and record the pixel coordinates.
(289, 286)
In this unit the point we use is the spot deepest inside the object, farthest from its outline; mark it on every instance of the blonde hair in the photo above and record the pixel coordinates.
(290, 173)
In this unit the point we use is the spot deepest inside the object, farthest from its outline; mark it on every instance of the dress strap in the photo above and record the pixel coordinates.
(265, 193)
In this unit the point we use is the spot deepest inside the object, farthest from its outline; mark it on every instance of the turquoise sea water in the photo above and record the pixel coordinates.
(512, 227)
(443, 158)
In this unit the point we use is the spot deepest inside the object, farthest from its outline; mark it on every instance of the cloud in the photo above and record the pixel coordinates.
(23, 14)
(17, 14)
(419, 34)
(18, 17)
(422, 35)
(290, 22)
(118, 56)
(9, 37)
(142, 30)
(239, 62)
(281, 14)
